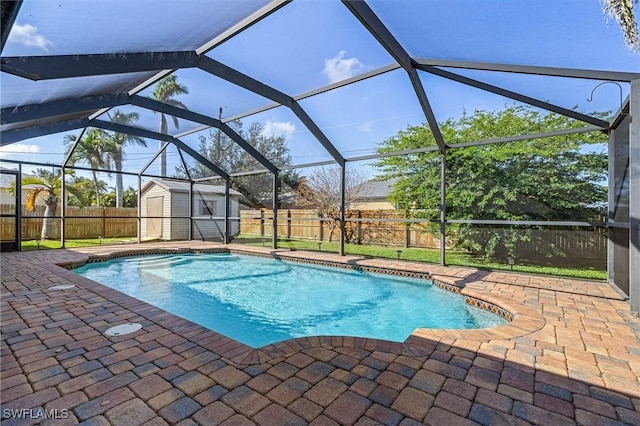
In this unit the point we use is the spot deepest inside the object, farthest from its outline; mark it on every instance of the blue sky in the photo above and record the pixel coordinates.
(311, 43)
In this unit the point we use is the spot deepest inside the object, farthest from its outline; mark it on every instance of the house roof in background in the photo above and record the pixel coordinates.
(6, 180)
(374, 189)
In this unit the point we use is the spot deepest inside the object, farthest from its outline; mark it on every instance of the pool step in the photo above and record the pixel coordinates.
(161, 262)
(221, 258)
(149, 259)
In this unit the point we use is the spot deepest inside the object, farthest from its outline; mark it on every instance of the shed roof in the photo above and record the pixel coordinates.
(179, 186)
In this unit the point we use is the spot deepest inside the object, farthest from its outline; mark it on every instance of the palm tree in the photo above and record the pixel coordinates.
(165, 91)
(47, 186)
(120, 140)
(622, 12)
(95, 149)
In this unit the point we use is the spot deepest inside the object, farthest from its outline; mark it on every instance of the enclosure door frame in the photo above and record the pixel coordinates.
(16, 244)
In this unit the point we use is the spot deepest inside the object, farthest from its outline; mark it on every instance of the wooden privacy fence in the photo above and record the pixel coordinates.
(80, 222)
(363, 229)
(565, 242)
(572, 242)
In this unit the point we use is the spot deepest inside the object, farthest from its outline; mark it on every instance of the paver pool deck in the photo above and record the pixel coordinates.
(571, 355)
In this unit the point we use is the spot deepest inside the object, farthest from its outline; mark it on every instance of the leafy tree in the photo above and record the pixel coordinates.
(321, 191)
(84, 193)
(121, 140)
(129, 198)
(165, 91)
(224, 152)
(555, 178)
(95, 149)
(622, 12)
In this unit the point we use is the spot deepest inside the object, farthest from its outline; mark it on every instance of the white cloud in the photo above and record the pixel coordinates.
(28, 35)
(365, 127)
(278, 128)
(339, 68)
(18, 148)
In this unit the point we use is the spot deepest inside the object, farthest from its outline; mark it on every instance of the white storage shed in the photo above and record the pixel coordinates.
(165, 211)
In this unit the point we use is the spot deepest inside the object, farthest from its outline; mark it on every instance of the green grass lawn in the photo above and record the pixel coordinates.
(454, 258)
(55, 244)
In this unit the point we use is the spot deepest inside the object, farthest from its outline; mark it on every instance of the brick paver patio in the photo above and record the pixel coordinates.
(571, 355)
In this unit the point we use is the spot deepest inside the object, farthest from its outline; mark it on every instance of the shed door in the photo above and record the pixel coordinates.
(154, 216)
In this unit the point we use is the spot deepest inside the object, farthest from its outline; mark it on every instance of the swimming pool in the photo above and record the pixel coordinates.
(258, 301)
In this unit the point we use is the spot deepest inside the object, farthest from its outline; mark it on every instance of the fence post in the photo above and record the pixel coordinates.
(320, 229)
(359, 227)
(407, 235)
(261, 222)
(104, 223)
(288, 223)
(407, 230)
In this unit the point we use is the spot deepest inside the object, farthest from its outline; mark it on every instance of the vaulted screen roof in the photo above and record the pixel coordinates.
(334, 69)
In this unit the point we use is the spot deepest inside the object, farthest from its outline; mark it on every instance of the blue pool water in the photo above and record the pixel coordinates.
(258, 301)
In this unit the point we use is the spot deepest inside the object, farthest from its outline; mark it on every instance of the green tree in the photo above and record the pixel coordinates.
(97, 150)
(129, 198)
(218, 148)
(84, 193)
(555, 178)
(120, 141)
(166, 91)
